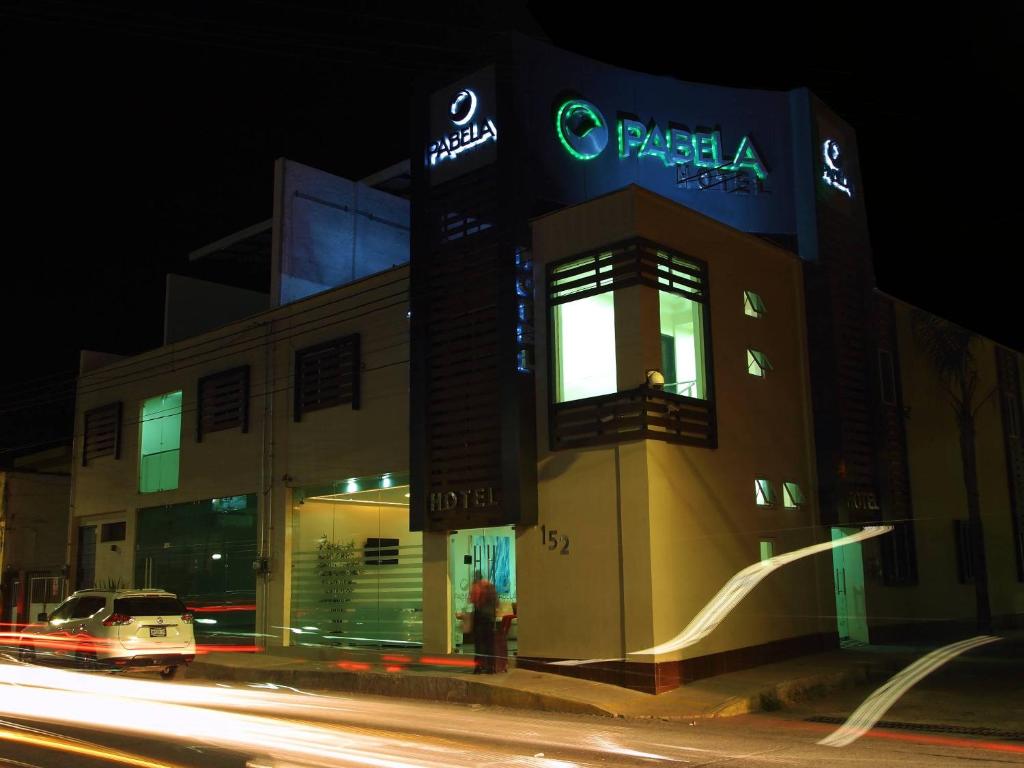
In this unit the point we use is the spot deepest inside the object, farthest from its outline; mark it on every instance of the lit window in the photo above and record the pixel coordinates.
(757, 363)
(585, 347)
(753, 305)
(792, 496)
(160, 443)
(682, 345)
(767, 549)
(764, 496)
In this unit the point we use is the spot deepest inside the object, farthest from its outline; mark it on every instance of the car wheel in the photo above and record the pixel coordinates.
(172, 673)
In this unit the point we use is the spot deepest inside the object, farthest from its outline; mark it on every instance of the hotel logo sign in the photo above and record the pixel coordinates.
(462, 131)
(833, 174)
(469, 129)
(583, 132)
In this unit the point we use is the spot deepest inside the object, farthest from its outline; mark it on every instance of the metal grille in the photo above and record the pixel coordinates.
(102, 433)
(327, 375)
(223, 402)
(634, 262)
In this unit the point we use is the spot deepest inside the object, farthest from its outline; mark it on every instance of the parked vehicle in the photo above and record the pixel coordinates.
(120, 630)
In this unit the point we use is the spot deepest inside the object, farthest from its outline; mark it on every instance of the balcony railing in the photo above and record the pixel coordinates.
(644, 413)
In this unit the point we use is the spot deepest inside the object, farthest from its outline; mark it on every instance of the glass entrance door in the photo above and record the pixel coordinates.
(492, 551)
(848, 576)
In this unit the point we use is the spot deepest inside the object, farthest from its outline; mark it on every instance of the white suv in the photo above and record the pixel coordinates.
(125, 629)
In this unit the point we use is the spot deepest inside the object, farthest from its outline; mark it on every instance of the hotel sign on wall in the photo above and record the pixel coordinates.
(463, 127)
(699, 158)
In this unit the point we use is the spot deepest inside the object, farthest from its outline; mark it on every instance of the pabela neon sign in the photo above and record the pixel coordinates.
(469, 132)
(584, 131)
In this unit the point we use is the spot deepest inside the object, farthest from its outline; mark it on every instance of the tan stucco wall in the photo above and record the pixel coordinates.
(277, 453)
(34, 514)
(689, 521)
(939, 498)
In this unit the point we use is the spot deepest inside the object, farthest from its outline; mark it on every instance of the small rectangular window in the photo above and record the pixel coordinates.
(160, 443)
(767, 549)
(792, 496)
(964, 551)
(887, 374)
(112, 531)
(764, 494)
(753, 306)
(757, 363)
(102, 433)
(327, 375)
(223, 402)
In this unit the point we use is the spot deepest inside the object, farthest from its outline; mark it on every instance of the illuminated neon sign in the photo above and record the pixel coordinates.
(470, 133)
(583, 132)
(833, 174)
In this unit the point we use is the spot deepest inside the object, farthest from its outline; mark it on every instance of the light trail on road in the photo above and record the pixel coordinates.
(881, 700)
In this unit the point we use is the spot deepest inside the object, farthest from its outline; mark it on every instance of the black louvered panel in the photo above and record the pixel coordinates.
(632, 262)
(327, 375)
(462, 385)
(223, 402)
(102, 433)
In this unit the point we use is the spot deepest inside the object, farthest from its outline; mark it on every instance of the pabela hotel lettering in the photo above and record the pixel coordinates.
(470, 130)
(584, 132)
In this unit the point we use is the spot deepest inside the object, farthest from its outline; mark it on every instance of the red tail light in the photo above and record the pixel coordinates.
(117, 620)
(186, 618)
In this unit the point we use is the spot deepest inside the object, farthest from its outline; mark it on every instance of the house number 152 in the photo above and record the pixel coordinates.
(553, 539)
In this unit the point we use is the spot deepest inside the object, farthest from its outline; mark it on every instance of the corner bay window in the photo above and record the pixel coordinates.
(160, 443)
(598, 362)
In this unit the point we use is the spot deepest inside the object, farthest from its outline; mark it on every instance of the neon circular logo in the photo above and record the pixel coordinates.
(463, 107)
(582, 129)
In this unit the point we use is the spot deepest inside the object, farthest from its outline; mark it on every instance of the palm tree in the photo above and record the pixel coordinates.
(950, 353)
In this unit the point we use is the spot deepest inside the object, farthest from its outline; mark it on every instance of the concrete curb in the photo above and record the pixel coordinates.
(434, 688)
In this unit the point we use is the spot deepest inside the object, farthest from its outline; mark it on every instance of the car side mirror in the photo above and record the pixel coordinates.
(43, 617)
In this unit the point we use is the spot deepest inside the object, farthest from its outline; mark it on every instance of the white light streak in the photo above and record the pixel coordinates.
(878, 703)
(740, 585)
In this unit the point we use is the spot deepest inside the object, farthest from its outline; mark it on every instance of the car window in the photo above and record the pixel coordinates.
(87, 606)
(63, 611)
(149, 606)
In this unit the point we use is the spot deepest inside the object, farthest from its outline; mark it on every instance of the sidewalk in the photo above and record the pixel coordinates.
(765, 687)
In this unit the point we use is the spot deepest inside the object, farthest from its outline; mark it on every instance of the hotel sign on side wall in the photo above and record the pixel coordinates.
(463, 127)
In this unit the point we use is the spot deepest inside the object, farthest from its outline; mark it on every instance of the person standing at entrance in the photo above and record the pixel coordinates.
(484, 598)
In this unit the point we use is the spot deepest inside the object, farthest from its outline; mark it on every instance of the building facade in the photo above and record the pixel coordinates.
(620, 343)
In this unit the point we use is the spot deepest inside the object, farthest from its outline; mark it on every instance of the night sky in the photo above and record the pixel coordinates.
(133, 136)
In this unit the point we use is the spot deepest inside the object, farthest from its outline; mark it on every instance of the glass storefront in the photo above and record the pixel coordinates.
(357, 570)
(203, 552)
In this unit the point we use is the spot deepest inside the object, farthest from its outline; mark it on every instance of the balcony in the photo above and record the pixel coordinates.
(644, 413)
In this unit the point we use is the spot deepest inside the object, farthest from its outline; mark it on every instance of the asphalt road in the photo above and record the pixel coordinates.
(52, 717)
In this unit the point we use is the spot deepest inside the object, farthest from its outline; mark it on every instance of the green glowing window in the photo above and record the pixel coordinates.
(753, 305)
(585, 347)
(767, 549)
(764, 494)
(160, 443)
(792, 496)
(757, 363)
(584, 328)
(682, 345)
